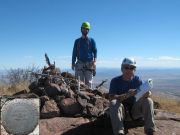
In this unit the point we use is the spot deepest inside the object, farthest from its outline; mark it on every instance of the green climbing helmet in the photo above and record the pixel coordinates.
(86, 25)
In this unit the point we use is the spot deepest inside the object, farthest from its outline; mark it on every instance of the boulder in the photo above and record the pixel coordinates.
(50, 110)
(70, 107)
(102, 126)
(60, 125)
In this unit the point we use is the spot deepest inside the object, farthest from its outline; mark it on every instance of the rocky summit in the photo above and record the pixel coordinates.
(69, 107)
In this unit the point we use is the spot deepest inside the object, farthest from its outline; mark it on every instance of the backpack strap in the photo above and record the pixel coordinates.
(78, 48)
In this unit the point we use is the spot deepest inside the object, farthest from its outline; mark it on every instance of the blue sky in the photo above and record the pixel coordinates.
(148, 30)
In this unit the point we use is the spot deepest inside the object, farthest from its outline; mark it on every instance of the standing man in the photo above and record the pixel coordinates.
(122, 90)
(84, 56)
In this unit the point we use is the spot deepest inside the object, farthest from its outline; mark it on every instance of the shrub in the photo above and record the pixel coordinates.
(14, 80)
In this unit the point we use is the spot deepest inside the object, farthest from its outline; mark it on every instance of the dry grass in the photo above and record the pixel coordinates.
(12, 89)
(167, 103)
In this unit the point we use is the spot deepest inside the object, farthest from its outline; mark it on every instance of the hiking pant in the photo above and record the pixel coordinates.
(142, 108)
(84, 71)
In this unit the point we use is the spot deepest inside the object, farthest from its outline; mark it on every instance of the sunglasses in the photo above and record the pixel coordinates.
(129, 68)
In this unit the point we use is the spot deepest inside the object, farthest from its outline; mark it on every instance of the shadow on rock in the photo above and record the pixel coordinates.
(100, 126)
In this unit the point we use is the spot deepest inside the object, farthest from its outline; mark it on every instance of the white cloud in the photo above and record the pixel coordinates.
(28, 57)
(154, 62)
(63, 61)
(169, 58)
(160, 62)
(63, 57)
(164, 58)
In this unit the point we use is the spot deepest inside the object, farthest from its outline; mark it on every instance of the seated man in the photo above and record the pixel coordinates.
(122, 91)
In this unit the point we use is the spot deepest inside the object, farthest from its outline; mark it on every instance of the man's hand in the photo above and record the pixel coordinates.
(132, 92)
(147, 94)
(73, 66)
(94, 62)
(94, 67)
(124, 96)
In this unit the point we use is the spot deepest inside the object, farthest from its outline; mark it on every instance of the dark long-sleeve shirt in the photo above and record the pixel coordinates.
(119, 86)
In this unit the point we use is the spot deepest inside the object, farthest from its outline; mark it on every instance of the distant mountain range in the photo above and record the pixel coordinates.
(166, 81)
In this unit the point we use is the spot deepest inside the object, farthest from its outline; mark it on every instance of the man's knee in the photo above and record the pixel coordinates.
(148, 101)
(115, 106)
(115, 102)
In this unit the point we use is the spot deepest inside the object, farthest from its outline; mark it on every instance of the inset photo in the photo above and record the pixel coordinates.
(19, 116)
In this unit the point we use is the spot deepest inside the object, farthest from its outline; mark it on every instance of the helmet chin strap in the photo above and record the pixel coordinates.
(84, 35)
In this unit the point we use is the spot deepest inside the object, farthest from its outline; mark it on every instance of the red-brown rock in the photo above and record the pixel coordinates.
(70, 107)
(50, 110)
